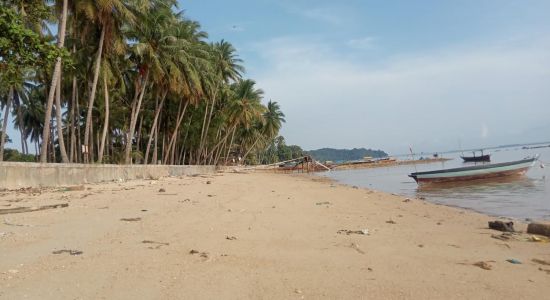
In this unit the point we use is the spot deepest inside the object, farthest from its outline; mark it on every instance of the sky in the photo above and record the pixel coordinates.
(430, 74)
(394, 74)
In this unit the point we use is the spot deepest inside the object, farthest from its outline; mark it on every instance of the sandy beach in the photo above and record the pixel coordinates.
(256, 236)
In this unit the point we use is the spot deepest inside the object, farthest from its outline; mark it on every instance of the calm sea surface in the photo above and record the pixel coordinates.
(521, 197)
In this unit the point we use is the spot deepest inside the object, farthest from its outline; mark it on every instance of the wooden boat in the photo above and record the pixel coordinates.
(513, 168)
(474, 158)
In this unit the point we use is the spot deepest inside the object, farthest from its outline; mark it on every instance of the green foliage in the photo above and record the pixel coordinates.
(21, 47)
(339, 155)
(14, 155)
(278, 151)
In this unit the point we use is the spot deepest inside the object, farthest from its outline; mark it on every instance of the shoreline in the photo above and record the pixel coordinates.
(382, 164)
(256, 235)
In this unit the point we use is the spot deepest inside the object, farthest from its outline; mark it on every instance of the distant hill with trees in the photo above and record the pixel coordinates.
(325, 154)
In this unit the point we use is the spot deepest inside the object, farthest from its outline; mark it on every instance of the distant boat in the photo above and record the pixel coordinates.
(474, 158)
(513, 168)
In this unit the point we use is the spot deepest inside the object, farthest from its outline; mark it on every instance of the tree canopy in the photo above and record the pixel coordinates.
(127, 81)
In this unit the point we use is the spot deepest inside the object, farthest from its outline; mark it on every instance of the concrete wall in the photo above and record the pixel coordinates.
(20, 175)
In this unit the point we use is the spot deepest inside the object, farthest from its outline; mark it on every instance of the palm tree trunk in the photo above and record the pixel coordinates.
(5, 124)
(55, 77)
(59, 122)
(223, 140)
(251, 147)
(133, 120)
(92, 95)
(154, 126)
(91, 144)
(21, 127)
(72, 145)
(229, 146)
(105, 123)
(175, 133)
(78, 133)
(52, 145)
(203, 139)
(138, 132)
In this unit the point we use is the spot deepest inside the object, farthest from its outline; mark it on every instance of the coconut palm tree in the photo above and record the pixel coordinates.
(226, 67)
(108, 16)
(62, 26)
(272, 120)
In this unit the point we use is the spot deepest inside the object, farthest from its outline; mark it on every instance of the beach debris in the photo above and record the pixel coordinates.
(421, 198)
(71, 252)
(201, 254)
(420, 246)
(18, 210)
(502, 226)
(514, 261)
(541, 261)
(545, 270)
(158, 244)
(355, 187)
(483, 265)
(9, 223)
(390, 221)
(348, 232)
(73, 188)
(507, 236)
(407, 200)
(209, 182)
(539, 239)
(103, 207)
(504, 245)
(130, 219)
(231, 238)
(355, 247)
(539, 228)
(210, 195)
(297, 291)
(323, 203)
(162, 190)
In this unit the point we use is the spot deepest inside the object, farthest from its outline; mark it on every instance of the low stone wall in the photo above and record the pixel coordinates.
(22, 175)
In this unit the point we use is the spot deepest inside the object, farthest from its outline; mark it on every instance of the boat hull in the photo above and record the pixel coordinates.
(519, 172)
(516, 168)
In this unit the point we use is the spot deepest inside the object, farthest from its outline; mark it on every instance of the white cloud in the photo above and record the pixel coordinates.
(364, 43)
(429, 100)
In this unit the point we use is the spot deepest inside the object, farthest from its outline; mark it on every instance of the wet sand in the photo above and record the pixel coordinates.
(251, 236)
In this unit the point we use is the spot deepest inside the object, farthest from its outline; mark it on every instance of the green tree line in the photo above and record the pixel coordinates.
(127, 81)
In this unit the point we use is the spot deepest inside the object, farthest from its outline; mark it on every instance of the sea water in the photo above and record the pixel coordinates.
(522, 197)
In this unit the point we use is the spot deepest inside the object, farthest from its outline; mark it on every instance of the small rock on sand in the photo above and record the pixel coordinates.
(483, 265)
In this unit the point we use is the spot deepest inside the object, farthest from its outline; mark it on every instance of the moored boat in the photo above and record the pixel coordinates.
(474, 158)
(513, 168)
